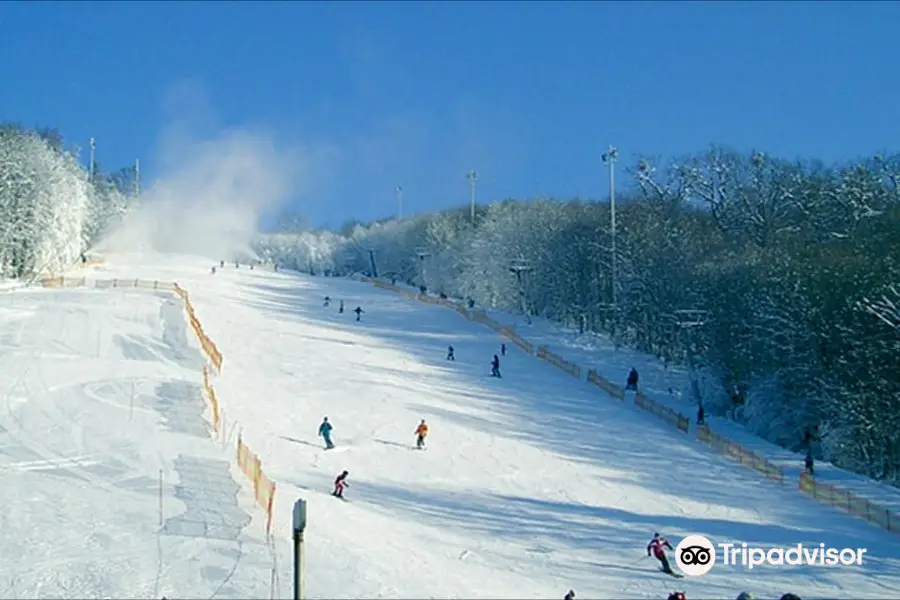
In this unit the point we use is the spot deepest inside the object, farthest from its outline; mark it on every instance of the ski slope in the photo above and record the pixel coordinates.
(530, 486)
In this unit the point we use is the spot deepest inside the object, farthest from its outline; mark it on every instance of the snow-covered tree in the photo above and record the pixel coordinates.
(49, 210)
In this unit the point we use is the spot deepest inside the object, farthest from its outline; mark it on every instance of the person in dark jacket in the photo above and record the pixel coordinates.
(632, 382)
(495, 367)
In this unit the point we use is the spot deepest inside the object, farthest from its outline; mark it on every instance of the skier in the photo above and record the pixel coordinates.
(327, 301)
(632, 382)
(341, 308)
(450, 353)
(495, 367)
(808, 463)
(658, 547)
(325, 431)
(502, 349)
(421, 433)
(358, 312)
(213, 269)
(340, 482)
(570, 595)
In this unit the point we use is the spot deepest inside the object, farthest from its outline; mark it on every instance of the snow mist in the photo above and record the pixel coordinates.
(211, 197)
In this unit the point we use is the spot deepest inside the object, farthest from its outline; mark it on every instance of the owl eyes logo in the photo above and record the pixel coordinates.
(695, 555)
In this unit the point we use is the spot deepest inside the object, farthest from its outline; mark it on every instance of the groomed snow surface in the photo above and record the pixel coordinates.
(530, 486)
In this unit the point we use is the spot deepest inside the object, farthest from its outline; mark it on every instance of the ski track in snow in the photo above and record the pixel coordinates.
(529, 486)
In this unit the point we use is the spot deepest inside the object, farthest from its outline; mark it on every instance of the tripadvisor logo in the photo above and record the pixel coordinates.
(695, 555)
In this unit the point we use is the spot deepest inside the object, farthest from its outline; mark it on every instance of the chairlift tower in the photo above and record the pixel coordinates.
(422, 253)
(519, 267)
(689, 319)
(372, 262)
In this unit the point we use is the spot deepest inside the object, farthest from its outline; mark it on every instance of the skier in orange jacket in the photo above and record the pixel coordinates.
(421, 433)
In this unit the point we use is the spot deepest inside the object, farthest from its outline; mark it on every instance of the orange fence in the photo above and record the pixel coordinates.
(213, 401)
(736, 452)
(77, 282)
(838, 497)
(263, 487)
(558, 361)
(669, 415)
(209, 347)
(250, 464)
(510, 334)
(91, 262)
(606, 385)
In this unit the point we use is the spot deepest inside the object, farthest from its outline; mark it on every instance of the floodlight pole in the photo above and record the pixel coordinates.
(610, 157)
(472, 176)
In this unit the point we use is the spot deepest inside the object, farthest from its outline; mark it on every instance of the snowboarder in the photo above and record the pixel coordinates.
(325, 431)
(502, 349)
(450, 353)
(632, 382)
(495, 367)
(340, 482)
(658, 547)
(358, 312)
(327, 301)
(341, 308)
(421, 433)
(570, 595)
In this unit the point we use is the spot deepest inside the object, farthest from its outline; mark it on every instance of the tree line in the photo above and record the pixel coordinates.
(793, 265)
(51, 208)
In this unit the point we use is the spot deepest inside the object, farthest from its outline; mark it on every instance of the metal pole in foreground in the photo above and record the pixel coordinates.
(299, 526)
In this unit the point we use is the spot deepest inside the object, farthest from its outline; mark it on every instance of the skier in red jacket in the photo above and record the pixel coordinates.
(339, 484)
(658, 547)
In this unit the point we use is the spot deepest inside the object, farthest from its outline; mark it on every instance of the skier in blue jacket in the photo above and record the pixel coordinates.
(325, 432)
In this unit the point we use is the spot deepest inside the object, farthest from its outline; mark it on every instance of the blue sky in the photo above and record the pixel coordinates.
(529, 94)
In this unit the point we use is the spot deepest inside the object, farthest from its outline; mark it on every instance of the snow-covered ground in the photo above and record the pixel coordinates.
(531, 485)
(669, 385)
